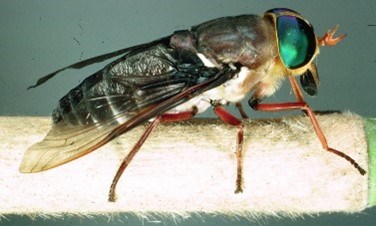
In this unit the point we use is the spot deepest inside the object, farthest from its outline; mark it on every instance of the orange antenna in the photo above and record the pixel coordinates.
(328, 40)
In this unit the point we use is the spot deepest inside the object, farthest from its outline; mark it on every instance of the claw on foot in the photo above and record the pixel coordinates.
(328, 39)
(112, 197)
(238, 190)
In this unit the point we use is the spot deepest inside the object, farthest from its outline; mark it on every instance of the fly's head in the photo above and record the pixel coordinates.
(298, 46)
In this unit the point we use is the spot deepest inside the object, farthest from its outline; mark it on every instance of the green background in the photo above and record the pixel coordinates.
(38, 37)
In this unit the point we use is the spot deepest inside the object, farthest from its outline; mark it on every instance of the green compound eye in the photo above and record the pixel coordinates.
(297, 42)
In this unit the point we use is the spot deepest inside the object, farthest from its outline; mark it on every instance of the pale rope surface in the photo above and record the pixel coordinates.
(191, 167)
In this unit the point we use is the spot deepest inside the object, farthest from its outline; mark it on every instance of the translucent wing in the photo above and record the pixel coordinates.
(141, 85)
(64, 143)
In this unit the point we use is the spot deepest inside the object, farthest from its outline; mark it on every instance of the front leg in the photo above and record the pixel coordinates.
(254, 102)
(228, 118)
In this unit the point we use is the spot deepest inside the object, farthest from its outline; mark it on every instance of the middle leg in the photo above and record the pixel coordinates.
(228, 118)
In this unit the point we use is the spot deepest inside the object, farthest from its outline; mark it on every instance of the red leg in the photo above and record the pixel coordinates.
(181, 116)
(302, 105)
(228, 118)
(170, 117)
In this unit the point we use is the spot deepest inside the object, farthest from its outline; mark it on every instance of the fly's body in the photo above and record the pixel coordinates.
(176, 77)
(202, 49)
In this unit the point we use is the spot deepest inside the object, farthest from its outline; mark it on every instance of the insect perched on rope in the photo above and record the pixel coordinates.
(176, 77)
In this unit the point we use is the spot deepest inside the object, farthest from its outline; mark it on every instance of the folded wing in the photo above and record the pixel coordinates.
(141, 85)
